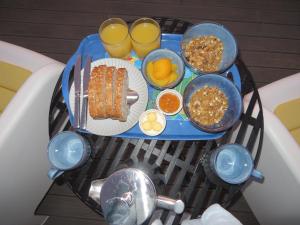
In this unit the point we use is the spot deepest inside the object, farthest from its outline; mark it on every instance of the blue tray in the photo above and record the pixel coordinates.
(178, 126)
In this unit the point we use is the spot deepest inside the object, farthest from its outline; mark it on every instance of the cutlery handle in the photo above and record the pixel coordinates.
(77, 110)
(84, 108)
(86, 78)
(77, 86)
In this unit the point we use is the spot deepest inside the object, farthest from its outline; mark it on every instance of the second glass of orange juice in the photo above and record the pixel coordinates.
(145, 36)
(115, 37)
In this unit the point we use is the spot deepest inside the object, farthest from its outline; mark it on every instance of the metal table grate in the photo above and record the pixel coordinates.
(174, 166)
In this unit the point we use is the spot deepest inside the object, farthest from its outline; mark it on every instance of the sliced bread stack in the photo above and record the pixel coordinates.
(107, 93)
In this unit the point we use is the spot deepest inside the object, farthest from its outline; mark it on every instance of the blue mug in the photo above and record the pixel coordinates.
(233, 164)
(66, 151)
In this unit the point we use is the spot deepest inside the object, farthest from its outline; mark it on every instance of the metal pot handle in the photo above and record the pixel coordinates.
(171, 204)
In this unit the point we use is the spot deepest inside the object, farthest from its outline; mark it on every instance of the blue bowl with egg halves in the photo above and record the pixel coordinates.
(233, 96)
(228, 41)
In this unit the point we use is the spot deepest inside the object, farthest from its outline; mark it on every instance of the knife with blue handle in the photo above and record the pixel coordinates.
(77, 86)
(86, 78)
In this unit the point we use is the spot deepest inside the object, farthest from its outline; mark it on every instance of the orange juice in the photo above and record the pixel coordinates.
(115, 38)
(145, 35)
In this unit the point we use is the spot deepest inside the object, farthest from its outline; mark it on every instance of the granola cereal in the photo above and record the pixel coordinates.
(204, 53)
(208, 105)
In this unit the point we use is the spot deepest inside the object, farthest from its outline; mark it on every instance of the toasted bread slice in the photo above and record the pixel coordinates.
(92, 94)
(109, 90)
(101, 107)
(113, 115)
(121, 87)
(96, 93)
(92, 88)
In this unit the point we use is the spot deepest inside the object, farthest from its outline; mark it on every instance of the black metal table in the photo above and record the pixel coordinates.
(175, 166)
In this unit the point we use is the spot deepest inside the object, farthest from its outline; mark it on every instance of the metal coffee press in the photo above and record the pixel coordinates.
(128, 197)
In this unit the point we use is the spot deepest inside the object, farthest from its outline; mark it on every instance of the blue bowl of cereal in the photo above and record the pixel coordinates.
(212, 103)
(208, 48)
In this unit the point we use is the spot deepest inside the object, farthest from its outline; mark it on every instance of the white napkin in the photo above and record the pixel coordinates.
(214, 215)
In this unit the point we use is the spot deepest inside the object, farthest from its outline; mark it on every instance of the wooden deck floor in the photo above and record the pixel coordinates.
(267, 31)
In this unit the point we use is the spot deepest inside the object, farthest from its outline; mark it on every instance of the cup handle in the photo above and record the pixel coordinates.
(257, 174)
(53, 173)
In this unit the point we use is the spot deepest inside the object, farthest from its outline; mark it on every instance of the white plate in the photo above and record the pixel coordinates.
(109, 127)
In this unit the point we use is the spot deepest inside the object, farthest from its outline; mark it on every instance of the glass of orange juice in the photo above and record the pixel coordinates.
(145, 36)
(115, 37)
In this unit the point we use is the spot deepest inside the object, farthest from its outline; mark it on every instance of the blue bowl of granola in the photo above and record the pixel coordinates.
(208, 48)
(212, 103)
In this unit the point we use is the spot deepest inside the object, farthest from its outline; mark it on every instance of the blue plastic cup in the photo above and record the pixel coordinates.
(66, 151)
(233, 164)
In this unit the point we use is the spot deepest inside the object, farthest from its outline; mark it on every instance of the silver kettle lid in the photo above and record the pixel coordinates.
(128, 197)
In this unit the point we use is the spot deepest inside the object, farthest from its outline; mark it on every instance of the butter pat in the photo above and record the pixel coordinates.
(147, 125)
(152, 122)
(151, 116)
(156, 126)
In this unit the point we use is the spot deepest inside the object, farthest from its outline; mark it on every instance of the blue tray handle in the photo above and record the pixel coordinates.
(235, 76)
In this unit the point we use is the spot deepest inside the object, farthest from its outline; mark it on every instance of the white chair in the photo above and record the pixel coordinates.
(24, 137)
(276, 201)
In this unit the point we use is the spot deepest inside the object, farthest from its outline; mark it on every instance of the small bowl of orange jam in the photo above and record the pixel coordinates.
(169, 102)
